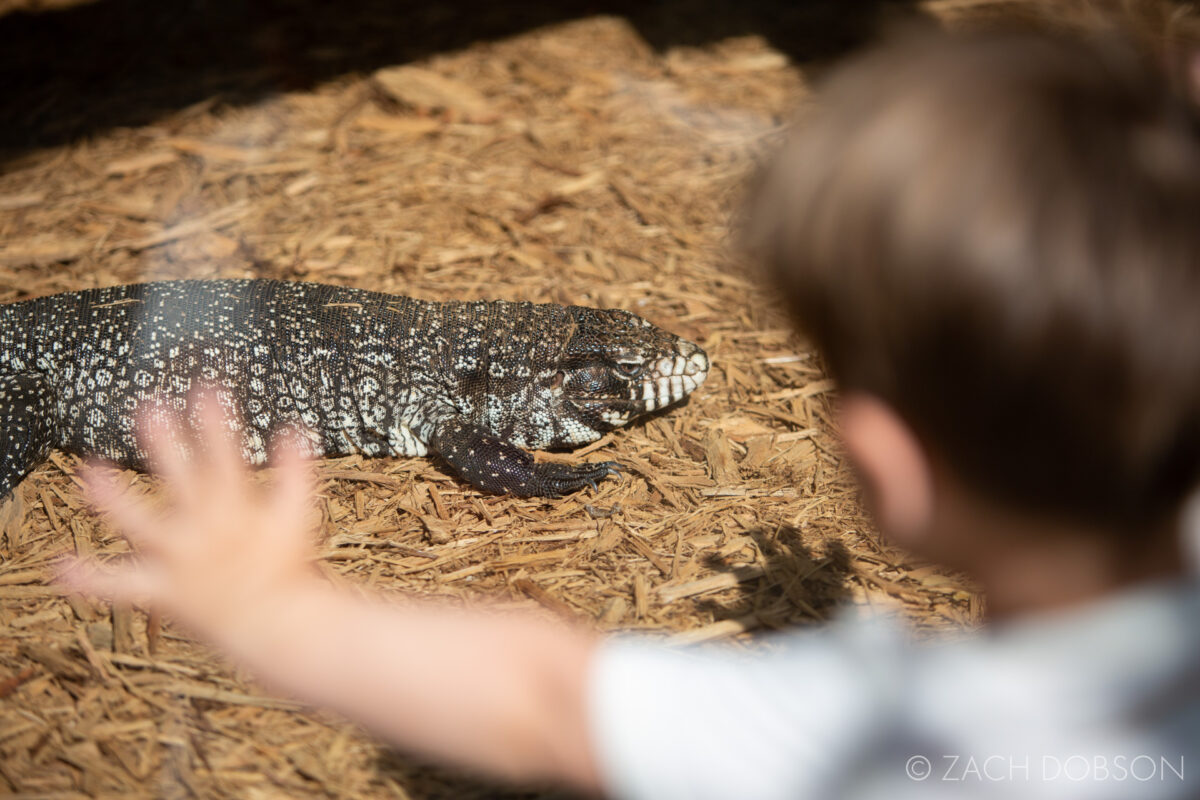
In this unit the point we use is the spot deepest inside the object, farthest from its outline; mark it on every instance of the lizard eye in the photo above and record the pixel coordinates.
(629, 369)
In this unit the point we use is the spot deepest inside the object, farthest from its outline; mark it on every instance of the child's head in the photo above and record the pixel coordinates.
(998, 236)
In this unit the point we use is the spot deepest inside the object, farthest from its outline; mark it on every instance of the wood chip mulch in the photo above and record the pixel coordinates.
(570, 162)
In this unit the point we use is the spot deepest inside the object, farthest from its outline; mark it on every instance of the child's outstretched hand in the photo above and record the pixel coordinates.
(503, 693)
(224, 556)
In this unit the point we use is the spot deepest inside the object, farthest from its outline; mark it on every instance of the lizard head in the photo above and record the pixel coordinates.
(613, 367)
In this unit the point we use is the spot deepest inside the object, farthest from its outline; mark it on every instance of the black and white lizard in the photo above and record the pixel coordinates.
(361, 372)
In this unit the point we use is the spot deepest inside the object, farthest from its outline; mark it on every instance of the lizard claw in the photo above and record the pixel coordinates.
(557, 479)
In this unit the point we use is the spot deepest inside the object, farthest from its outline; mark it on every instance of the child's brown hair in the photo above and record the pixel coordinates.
(999, 235)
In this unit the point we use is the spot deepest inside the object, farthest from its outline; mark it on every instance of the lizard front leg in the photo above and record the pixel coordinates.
(494, 465)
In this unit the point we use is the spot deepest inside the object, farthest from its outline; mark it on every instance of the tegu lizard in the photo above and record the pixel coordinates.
(477, 383)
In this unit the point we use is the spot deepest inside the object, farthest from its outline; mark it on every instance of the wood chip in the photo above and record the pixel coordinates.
(140, 163)
(544, 598)
(199, 691)
(400, 126)
(717, 630)
(12, 202)
(216, 151)
(429, 91)
(721, 464)
(714, 583)
(43, 252)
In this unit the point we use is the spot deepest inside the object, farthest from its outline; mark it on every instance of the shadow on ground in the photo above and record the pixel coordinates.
(79, 70)
(800, 586)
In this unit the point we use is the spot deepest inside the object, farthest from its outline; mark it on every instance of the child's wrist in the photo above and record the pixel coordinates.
(283, 627)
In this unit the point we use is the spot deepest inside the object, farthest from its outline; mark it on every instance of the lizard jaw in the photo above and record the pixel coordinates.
(669, 380)
(674, 378)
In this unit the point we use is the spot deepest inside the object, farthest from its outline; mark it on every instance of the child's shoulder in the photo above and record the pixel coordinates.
(828, 706)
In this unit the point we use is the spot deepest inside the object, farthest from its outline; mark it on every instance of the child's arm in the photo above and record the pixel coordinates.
(502, 693)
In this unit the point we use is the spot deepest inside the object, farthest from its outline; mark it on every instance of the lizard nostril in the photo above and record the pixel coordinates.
(557, 381)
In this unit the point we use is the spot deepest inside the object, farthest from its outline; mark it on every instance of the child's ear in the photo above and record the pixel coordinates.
(893, 466)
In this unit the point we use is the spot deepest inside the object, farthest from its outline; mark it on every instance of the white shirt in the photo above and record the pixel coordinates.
(1098, 702)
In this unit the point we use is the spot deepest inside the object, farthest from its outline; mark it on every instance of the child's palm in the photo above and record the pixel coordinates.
(224, 553)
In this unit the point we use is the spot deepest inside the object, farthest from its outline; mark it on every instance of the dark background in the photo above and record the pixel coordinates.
(72, 72)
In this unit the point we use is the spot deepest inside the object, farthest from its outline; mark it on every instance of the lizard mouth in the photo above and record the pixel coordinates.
(613, 403)
(674, 379)
(667, 380)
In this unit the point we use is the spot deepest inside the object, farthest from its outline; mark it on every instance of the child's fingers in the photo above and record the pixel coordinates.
(294, 485)
(125, 585)
(163, 441)
(200, 467)
(129, 515)
(221, 449)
